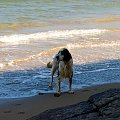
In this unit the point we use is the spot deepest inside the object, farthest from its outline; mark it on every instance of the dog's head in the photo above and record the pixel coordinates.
(64, 55)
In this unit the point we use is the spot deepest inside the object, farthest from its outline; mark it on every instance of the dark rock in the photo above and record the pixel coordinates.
(101, 106)
(104, 98)
(111, 108)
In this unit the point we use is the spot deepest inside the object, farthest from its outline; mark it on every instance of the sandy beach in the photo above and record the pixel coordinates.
(24, 108)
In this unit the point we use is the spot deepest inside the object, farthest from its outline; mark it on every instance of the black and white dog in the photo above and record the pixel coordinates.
(63, 63)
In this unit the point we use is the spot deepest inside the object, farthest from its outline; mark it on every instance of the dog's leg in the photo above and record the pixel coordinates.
(53, 70)
(58, 88)
(70, 86)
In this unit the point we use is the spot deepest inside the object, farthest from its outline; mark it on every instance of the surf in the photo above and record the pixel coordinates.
(16, 39)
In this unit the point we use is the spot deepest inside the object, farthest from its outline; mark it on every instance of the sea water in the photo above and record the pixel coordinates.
(33, 31)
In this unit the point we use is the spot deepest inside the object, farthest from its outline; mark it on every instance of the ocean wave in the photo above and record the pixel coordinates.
(97, 20)
(65, 22)
(25, 24)
(26, 38)
(93, 45)
(54, 23)
(97, 70)
(44, 54)
(107, 19)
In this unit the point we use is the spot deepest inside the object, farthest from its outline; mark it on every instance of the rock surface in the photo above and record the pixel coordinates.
(101, 106)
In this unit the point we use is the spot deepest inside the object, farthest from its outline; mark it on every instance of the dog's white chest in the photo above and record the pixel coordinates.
(65, 70)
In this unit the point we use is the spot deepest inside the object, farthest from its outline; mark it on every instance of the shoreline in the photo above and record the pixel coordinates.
(24, 108)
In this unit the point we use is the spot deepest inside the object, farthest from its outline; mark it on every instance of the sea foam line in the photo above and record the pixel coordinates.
(31, 58)
(93, 45)
(98, 70)
(26, 38)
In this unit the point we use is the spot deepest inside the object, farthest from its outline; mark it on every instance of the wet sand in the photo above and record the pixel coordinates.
(23, 108)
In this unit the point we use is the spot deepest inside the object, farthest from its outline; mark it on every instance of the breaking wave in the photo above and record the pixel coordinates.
(26, 38)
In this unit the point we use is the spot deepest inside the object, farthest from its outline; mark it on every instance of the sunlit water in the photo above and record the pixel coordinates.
(32, 32)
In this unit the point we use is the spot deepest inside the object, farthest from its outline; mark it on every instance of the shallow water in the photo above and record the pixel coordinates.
(32, 32)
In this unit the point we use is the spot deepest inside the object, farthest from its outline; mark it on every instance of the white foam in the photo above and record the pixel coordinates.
(93, 45)
(98, 70)
(26, 38)
(1, 65)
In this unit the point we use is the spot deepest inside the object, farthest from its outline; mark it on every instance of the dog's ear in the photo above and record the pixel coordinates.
(67, 55)
(57, 56)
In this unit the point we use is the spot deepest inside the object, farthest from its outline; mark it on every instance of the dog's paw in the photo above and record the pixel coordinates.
(71, 92)
(50, 87)
(57, 94)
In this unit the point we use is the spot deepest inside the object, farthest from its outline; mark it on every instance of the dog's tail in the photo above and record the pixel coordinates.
(49, 65)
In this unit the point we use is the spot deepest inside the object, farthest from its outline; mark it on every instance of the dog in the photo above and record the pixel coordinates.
(63, 63)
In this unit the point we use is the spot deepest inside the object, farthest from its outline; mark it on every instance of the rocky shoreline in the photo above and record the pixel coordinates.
(101, 106)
